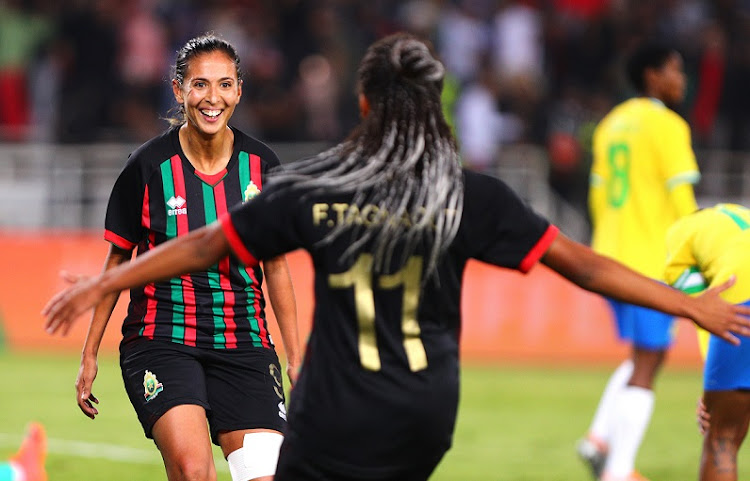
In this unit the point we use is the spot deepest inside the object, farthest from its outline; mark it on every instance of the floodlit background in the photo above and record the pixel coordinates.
(83, 83)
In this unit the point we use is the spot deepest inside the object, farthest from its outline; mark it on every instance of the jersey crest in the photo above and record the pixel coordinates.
(152, 387)
(251, 191)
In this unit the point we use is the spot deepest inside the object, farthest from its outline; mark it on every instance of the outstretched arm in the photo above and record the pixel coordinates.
(602, 275)
(281, 295)
(191, 253)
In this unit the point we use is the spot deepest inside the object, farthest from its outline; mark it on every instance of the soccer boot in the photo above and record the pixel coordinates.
(31, 455)
(593, 454)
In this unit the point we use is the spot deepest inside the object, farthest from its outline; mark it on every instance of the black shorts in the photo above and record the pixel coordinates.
(295, 464)
(240, 389)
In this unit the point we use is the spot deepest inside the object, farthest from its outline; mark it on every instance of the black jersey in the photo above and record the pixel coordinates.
(159, 195)
(378, 391)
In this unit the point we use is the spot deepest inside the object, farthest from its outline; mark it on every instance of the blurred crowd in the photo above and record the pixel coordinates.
(520, 71)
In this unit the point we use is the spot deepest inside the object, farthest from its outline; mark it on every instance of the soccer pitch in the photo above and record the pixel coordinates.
(515, 423)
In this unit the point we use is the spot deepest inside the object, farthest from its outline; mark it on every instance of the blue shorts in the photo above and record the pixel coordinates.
(644, 328)
(727, 366)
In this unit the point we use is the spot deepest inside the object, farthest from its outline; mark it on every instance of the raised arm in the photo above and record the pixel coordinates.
(191, 253)
(602, 275)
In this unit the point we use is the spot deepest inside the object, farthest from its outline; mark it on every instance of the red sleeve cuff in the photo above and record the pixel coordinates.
(539, 249)
(118, 241)
(235, 243)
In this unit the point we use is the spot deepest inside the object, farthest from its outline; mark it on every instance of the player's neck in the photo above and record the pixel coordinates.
(208, 155)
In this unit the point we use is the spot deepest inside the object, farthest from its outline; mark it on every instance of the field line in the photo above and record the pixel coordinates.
(110, 452)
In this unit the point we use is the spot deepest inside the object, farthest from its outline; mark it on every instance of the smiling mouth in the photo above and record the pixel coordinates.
(211, 113)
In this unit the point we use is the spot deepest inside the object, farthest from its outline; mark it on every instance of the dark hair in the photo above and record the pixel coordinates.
(402, 157)
(206, 43)
(650, 55)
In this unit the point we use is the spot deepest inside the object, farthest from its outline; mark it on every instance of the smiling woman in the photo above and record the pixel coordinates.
(207, 86)
(196, 347)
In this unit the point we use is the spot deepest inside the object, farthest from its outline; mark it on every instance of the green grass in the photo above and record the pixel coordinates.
(515, 423)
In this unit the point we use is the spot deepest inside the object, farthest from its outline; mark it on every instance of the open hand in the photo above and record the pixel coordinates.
(721, 318)
(66, 306)
(86, 375)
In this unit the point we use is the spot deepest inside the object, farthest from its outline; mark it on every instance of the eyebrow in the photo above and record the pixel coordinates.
(207, 80)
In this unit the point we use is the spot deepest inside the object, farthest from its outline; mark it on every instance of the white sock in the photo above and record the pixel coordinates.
(633, 408)
(601, 426)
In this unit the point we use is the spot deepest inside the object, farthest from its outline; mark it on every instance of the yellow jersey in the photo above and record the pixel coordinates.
(642, 152)
(705, 248)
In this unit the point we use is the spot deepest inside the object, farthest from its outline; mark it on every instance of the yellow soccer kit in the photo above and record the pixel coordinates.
(705, 249)
(641, 182)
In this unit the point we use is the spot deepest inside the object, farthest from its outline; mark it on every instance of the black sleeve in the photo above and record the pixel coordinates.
(122, 224)
(271, 161)
(501, 228)
(266, 226)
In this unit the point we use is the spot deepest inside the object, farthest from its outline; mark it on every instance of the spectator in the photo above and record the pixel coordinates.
(22, 33)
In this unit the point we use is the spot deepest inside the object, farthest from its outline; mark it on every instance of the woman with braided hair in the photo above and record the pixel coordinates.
(390, 220)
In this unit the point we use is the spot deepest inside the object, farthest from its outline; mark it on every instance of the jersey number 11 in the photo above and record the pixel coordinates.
(360, 277)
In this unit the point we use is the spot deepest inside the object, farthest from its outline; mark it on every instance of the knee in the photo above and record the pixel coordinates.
(187, 468)
(257, 458)
(724, 440)
(646, 367)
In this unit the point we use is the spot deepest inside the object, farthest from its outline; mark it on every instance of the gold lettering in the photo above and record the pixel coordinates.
(371, 215)
(340, 210)
(359, 277)
(319, 213)
(352, 216)
(410, 278)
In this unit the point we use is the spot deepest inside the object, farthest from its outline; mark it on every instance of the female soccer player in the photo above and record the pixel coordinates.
(390, 220)
(195, 346)
(706, 248)
(642, 180)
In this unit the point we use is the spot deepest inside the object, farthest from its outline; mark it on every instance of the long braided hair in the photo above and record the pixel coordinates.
(401, 158)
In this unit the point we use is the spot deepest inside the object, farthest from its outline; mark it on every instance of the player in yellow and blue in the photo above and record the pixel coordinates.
(705, 249)
(641, 181)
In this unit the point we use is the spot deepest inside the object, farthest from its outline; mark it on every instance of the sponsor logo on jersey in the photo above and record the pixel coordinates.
(152, 387)
(177, 206)
(251, 191)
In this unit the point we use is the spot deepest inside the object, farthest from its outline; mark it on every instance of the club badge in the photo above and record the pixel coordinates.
(251, 191)
(152, 387)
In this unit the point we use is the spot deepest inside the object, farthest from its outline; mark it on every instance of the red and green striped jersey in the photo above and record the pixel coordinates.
(158, 196)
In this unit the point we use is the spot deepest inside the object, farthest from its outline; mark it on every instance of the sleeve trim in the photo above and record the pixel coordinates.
(235, 243)
(683, 178)
(539, 249)
(596, 180)
(118, 241)
(691, 281)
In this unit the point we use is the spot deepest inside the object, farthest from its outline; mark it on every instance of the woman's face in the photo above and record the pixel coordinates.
(670, 81)
(209, 92)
